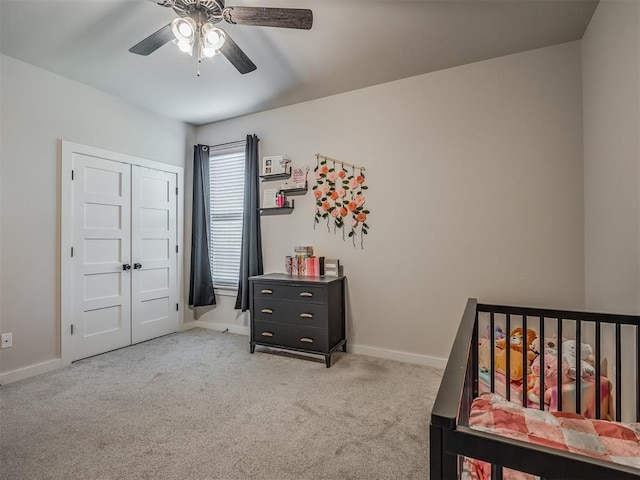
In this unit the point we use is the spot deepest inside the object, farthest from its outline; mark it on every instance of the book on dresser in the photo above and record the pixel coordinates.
(305, 314)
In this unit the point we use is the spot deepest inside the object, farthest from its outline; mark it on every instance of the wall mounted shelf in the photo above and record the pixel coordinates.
(276, 211)
(275, 176)
(294, 191)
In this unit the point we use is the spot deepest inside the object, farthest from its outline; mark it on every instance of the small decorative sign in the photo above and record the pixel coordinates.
(332, 267)
(299, 176)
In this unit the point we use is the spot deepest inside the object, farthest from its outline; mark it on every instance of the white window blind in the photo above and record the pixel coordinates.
(226, 176)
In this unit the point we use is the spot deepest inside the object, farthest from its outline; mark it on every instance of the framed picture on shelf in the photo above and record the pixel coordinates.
(269, 198)
(267, 166)
(275, 165)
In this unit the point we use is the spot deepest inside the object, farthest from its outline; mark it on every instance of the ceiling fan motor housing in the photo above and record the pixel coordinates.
(200, 10)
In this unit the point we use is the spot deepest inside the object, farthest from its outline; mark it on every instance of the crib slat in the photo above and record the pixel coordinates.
(474, 357)
(559, 379)
(598, 400)
(578, 365)
(492, 372)
(496, 472)
(541, 360)
(508, 369)
(525, 352)
(637, 373)
(618, 374)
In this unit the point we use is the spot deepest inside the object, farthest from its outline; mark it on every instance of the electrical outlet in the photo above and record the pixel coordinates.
(7, 340)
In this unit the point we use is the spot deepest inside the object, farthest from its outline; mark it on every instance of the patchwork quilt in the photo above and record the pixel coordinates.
(610, 441)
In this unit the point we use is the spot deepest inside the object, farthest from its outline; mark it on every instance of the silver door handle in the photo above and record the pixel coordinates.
(267, 310)
(306, 315)
(306, 294)
(306, 340)
(267, 291)
(267, 334)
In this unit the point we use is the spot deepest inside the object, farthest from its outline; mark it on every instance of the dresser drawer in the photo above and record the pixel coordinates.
(305, 293)
(291, 313)
(290, 336)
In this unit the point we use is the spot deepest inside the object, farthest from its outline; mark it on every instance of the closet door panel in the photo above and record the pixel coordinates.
(101, 202)
(153, 249)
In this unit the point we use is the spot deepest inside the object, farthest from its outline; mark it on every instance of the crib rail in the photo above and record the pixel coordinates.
(450, 436)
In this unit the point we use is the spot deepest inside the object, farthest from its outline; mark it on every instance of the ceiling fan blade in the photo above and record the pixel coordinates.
(301, 18)
(236, 56)
(153, 41)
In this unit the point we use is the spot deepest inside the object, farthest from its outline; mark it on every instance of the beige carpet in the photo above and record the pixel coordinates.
(197, 405)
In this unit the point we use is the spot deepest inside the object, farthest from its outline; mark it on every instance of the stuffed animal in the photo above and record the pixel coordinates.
(498, 334)
(570, 358)
(516, 345)
(550, 344)
(533, 385)
(550, 377)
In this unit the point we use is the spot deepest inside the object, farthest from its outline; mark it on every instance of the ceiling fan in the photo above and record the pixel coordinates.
(196, 27)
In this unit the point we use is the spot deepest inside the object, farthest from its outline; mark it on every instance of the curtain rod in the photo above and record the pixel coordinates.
(340, 162)
(229, 144)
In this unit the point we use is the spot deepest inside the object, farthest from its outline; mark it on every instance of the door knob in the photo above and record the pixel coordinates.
(136, 266)
(126, 267)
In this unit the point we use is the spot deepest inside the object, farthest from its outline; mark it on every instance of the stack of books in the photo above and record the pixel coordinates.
(304, 262)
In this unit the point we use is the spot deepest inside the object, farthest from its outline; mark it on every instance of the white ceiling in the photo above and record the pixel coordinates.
(353, 44)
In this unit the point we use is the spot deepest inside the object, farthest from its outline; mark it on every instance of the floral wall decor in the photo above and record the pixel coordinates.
(340, 197)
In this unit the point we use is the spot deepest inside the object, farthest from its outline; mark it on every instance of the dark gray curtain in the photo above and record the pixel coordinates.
(251, 255)
(201, 283)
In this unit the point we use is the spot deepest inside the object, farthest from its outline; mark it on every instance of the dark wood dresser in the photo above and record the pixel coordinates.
(305, 314)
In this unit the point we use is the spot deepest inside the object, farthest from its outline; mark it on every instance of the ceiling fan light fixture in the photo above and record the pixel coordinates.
(212, 39)
(184, 47)
(184, 29)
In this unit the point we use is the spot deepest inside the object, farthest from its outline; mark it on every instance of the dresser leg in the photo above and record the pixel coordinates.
(327, 360)
(344, 346)
(253, 347)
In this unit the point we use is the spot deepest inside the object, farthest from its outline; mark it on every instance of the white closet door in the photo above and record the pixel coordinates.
(101, 198)
(153, 250)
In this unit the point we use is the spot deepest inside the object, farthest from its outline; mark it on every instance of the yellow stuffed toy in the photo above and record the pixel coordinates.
(517, 368)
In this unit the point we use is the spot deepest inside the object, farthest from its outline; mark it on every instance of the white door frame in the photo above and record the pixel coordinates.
(66, 232)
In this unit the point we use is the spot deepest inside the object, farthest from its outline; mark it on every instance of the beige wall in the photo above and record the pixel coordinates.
(611, 98)
(38, 109)
(611, 93)
(475, 189)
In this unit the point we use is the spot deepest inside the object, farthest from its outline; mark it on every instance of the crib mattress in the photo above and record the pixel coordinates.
(610, 441)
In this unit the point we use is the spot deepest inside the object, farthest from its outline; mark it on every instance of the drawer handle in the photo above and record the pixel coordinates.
(266, 310)
(306, 340)
(267, 291)
(267, 334)
(306, 294)
(306, 315)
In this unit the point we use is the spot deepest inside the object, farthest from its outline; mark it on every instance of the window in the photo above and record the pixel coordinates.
(226, 176)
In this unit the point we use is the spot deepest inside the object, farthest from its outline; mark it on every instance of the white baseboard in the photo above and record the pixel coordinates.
(221, 327)
(187, 326)
(351, 348)
(399, 356)
(30, 371)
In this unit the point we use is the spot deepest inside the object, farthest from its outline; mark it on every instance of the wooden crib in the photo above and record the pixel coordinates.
(453, 438)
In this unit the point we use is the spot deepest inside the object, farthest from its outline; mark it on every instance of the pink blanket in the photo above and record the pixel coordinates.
(611, 441)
